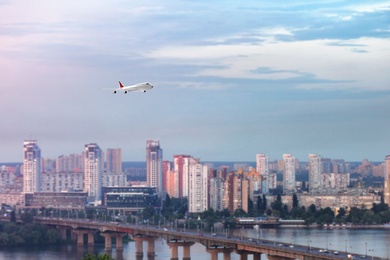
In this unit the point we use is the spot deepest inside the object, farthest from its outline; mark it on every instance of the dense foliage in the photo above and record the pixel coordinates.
(176, 209)
(12, 234)
(97, 257)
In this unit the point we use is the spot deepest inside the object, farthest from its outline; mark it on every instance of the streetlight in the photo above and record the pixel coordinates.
(366, 249)
(346, 245)
(308, 245)
(326, 246)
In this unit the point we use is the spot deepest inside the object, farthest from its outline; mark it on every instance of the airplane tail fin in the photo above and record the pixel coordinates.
(120, 85)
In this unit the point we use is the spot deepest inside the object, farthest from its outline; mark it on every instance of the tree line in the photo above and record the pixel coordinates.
(174, 209)
(13, 234)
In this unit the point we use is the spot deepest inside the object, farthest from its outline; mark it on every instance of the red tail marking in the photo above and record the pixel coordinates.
(120, 85)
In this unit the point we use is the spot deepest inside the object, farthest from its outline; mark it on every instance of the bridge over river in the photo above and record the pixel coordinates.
(214, 243)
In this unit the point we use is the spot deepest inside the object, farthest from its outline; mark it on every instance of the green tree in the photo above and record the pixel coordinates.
(250, 206)
(4, 239)
(239, 213)
(10, 227)
(341, 212)
(312, 209)
(148, 212)
(167, 202)
(27, 217)
(99, 257)
(259, 204)
(277, 204)
(295, 201)
(52, 236)
(264, 202)
(13, 216)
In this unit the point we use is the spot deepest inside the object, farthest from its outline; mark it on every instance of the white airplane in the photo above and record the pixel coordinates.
(140, 87)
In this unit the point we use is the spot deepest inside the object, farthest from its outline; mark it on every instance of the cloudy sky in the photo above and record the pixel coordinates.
(232, 78)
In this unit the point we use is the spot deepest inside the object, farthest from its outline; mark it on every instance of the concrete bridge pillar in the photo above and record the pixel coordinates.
(139, 251)
(174, 251)
(243, 255)
(187, 250)
(91, 240)
(256, 256)
(151, 243)
(80, 237)
(213, 253)
(107, 241)
(227, 253)
(119, 241)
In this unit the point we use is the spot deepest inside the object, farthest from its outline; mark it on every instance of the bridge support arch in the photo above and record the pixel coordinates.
(174, 246)
(108, 241)
(244, 254)
(139, 252)
(80, 237)
(214, 251)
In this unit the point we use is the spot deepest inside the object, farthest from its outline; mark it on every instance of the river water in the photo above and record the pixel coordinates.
(375, 241)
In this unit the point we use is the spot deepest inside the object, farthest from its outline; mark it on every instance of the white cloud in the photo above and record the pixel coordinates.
(370, 8)
(362, 68)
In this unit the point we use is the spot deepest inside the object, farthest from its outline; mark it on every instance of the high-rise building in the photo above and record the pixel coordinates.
(386, 190)
(93, 169)
(154, 158)
(216, 193)
(236, 193)
(338, 166)
(114, 160)
(254, 182)
(288, 173)
(197, 188)
(62, 181)
(188, 163)
(326, 165)
(31, 166)
(180, 167)
(314, 173)
(170, 181)
(71, 163)
(166, 167)
(262, 169)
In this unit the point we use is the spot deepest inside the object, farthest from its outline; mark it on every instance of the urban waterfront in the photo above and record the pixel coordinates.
(374, 242)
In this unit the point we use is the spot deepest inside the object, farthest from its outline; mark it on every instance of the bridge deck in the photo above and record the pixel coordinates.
(249, 245)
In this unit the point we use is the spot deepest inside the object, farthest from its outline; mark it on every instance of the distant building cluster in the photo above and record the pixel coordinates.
(95, 177)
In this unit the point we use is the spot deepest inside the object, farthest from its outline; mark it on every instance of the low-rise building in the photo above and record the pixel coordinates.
(129, 198)
(56, 200)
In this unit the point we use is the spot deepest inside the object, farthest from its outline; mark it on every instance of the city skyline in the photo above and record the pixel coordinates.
(264, 77)
(305, 159)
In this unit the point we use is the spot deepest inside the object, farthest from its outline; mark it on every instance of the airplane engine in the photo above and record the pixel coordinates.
(125, 92)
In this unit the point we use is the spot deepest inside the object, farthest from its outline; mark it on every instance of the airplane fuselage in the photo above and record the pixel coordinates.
(140, 87)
